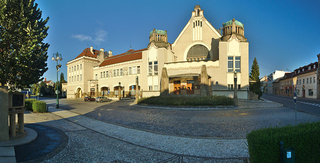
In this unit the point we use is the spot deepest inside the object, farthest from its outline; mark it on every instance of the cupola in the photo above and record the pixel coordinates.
(159, 38)
(233, 27)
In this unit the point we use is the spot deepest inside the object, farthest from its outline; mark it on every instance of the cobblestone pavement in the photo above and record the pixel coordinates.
(87, 145)
(234, 122)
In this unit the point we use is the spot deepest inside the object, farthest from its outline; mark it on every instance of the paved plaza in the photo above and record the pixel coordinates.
(121, 131)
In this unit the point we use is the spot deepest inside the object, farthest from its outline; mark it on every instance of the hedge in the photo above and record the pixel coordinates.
(188, 101)
(264, 144)
(39, 106)
(28, 103)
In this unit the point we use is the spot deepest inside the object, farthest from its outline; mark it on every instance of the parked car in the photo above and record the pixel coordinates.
(102, 99)
(88, 98)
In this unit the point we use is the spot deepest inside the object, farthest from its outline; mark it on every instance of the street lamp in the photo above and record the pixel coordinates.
(119, 91)
(57, 57)
(235, 89)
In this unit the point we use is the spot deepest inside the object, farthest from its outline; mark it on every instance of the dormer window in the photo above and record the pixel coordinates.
(314, 66)
(309, 68)
(302, 69)
(298, 71)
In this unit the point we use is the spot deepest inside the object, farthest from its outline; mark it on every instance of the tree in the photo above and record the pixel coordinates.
(62, 78)
(43, 87)
(35, 89)
(23, 54)
(254, 75)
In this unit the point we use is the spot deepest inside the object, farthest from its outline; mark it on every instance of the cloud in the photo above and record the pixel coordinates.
(101, 36)
(82, 37)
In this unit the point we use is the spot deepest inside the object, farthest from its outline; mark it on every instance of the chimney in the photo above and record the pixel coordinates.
(101, 50)
(110, 53)
(45, 79)
(91, 49)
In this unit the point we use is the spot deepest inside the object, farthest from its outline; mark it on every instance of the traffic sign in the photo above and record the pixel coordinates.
(295, 98)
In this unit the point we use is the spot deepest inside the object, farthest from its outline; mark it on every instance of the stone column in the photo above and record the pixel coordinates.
(204, 83)
(164, 83)
(4, 112)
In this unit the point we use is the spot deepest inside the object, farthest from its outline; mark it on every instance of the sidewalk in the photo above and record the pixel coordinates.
(166, 147)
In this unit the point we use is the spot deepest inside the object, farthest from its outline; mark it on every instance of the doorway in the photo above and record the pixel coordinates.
(177, 87)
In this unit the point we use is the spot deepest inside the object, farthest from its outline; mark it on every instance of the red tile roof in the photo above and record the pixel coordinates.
(87, 52)
(130, 55)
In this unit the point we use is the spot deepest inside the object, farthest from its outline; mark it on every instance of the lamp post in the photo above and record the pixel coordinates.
(235, 89)
(56, 57)
(119, 91)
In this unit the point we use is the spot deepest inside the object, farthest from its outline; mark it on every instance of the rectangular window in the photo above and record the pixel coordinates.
(114, 73)
(100, 74)
(69, 69)
(230, 86)
(107, 74)
(237, 64)
(302, 81)
(117, 72)
(69, 79)
(77, 67)
(77, 77)
(96, 76)
(121, 71)
(72, 69)
(138, 69)
(155, 67)
(72, 78)
(104, 74)
(239, 86)
(310, 80)
(230, 64)
(134, 68)
(314, 80)
(310, 92)
(130, 70)
(150, 68)
(80, 77)
(150, 87)
(80, 66)
(155, 87)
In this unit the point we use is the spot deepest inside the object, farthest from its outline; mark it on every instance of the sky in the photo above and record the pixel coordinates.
(282, 34)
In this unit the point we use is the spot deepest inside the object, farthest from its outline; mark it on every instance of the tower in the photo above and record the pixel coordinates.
(158, 38)
(233, 27)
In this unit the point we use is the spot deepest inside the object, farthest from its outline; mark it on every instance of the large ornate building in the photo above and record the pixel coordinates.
(222, 53)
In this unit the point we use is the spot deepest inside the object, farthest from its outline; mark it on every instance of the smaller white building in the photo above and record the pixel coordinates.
(307, 81)
(271, 78)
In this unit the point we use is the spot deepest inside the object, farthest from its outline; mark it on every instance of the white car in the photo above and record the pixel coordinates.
(102, 99)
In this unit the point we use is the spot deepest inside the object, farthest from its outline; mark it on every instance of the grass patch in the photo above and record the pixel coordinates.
(187, 101)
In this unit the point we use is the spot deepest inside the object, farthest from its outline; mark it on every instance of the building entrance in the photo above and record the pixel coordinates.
(79, 93)
(177, 87)
(190, 87)
(92, 92)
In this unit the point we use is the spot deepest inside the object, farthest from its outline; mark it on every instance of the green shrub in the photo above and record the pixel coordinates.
(188, 101)
(264, 144)
(39, 106)
(28, 103)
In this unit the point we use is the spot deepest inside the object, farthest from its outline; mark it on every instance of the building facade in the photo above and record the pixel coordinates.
(307, 81)
(224, 56)
(271, 78)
